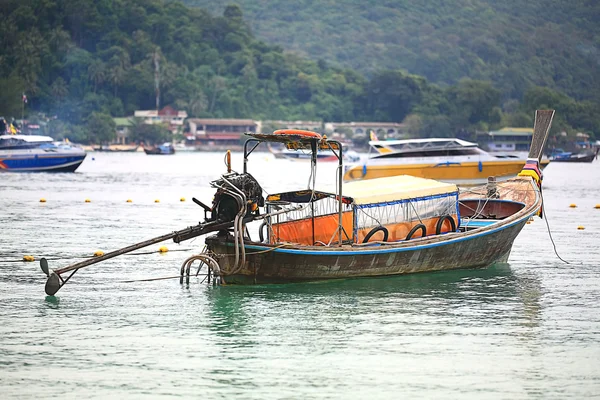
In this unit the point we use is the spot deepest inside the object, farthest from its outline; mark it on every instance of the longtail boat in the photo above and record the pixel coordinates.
(377, 227)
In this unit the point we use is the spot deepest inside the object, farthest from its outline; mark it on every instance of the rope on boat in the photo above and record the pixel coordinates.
(92, 256)
(477, 191)
(222, 255)
(550, 234)
(311, 182)
(238, 225)
(151, 279)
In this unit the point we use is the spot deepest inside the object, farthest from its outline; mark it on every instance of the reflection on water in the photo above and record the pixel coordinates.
(445, 296)
(528, 329)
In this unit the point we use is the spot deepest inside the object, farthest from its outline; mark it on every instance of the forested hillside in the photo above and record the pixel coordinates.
(516, 44)
(86, 61)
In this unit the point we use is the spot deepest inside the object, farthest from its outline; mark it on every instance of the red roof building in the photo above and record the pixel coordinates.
(210, 132)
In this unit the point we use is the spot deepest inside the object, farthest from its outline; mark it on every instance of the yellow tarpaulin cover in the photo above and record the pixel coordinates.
(393, 188)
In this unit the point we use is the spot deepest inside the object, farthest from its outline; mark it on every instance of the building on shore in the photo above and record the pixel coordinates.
(124, 125)
(383, 130)
(217, 134)
(174, 119)
(271, 125)
(506, 139)
(228, 133)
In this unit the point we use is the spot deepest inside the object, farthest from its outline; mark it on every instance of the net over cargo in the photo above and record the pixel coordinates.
(398, 204)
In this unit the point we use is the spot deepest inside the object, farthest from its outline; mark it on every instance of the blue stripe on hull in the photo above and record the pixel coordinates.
(34, 164)
(383, 249)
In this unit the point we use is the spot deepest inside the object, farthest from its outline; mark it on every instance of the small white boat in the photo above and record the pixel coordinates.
(182, 147)
(350, 156)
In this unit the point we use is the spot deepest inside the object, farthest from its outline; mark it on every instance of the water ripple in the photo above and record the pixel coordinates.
(527, 329)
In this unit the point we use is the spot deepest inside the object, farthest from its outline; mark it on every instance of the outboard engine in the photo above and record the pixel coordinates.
(229, 200)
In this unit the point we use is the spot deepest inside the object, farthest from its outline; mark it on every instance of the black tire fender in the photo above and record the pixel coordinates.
(414, 229)
(374, 231)
(440, 224)
(261, 236)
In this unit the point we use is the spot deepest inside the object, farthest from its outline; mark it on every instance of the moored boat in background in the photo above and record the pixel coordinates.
(118, 148)
(183, 147)
(36, 153)
(165, 148)
(446, 159)
(323, 155)
(558, 155)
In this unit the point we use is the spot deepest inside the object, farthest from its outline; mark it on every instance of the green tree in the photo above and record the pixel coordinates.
(149, 134)
(101, 128)
(59, 88)
(97, 73)
(471, 102)
(392, 95)
(11, 97)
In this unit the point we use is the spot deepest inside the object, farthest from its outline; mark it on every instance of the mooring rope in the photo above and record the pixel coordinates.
(550, 233)
(151, 279)
(218, 255)
(92, 256)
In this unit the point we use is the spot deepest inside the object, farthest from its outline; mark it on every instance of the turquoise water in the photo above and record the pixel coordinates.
(527, 329)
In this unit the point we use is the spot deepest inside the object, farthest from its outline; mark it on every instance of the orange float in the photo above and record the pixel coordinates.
(298, 132)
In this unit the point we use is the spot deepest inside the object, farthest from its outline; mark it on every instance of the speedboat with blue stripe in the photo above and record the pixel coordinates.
(36, 153)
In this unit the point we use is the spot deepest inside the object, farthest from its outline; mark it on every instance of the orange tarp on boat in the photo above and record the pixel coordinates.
(301, 231)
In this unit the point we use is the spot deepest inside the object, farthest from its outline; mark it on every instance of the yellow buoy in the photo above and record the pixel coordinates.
(573, 205)
(163, 249)
(157, 201)
(129, 200)
(182, 199)
(28, 258)
(88, 201)
(98, 253)
(42, 200)
(580, 227)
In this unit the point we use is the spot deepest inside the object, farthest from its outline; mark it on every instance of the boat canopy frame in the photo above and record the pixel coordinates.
(360, 200)
(295, 140)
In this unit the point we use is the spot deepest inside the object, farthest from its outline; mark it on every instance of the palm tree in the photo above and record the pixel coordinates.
(218, 84)
(116, 76)
(96, 73)
(59, 88)
(59, 40)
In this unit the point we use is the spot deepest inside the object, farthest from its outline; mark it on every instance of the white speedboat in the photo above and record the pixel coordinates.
(35, 153)
(445, 159)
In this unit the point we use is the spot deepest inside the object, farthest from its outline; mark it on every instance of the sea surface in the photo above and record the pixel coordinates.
(529, 329)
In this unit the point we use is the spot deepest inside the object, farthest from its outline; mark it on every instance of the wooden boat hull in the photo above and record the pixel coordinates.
(465, 173)
(265, 263)
(157, 151)
(489, 243)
